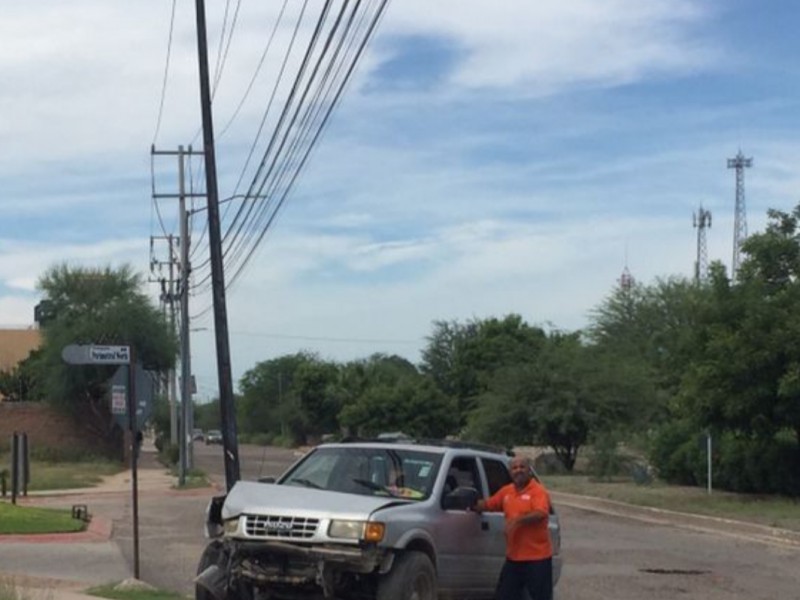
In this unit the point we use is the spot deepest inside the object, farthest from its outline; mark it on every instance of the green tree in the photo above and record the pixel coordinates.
(559, 399)
(19, 383)
(412, 404)
(268, 403)
(96, 306)
(748, 380)
(462, 358)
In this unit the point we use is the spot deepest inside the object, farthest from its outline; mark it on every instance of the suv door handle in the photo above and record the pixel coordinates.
(485, 525)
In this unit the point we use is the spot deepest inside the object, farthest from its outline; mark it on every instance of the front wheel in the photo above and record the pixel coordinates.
(214, 554)
(412, 578)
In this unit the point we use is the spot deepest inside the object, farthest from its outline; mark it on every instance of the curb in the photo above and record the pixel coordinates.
(703, 523)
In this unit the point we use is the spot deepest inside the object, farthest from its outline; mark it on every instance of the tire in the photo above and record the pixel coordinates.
(412, 578)
(212, 555)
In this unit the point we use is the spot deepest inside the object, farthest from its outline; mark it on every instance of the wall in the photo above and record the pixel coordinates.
(45, 427)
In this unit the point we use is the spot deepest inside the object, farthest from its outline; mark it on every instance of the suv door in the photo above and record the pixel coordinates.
(497, 476)
(460, 535)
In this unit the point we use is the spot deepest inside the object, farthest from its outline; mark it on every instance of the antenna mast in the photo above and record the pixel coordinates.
(701, 219)
(740, 163)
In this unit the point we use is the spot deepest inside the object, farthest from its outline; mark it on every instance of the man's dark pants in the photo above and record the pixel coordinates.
(535, 575)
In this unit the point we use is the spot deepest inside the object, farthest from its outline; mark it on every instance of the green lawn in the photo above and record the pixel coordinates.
(33, 519)
(108, 591)
(773, 511)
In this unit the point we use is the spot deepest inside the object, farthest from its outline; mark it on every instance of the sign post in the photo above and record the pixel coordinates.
(92, 354)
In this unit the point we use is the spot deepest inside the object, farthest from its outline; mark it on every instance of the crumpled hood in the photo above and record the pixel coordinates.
(254, 498)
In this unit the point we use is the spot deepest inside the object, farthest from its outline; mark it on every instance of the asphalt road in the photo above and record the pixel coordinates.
(605, 556)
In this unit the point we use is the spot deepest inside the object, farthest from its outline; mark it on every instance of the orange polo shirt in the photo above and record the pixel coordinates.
(529, 541)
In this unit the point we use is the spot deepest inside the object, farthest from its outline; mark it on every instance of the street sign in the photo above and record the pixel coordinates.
(109, 355)
(75, 354)
(90, 354)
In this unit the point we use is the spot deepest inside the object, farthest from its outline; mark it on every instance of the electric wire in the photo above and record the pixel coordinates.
(257, 71)
(265, 115)
(166, 73)
(310, 115)
(247, 93)
(289, 159)
(206, 263)
(287, 108)
(297, 142)
(313, 142)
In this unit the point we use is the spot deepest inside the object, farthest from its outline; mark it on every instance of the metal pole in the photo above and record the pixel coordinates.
(708, 454)
(132, 426)
(227, 412)
(173, 392)
(186, 358)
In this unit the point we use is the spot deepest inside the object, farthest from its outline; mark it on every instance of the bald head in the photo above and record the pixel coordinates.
(520, 469)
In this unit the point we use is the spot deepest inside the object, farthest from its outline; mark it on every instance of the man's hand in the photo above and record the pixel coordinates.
(479, 506)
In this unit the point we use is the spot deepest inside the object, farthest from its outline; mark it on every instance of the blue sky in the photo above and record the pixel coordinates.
(488, 158)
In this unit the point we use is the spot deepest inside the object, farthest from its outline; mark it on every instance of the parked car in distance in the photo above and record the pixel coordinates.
(197, 435)
(374, 520)
(213, 436)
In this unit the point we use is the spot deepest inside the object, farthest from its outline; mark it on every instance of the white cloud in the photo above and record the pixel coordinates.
(547, 45)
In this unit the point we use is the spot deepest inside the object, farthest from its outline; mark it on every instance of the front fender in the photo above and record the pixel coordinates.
(214, 528)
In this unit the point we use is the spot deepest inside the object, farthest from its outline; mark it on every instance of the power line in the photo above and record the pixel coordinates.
(257, 71)
(316, 136)
(166, 72)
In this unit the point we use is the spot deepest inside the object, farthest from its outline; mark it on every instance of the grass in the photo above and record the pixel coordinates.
(195, 478)
(108, 591)
(66, 474)
(15, 519)
(774, 511)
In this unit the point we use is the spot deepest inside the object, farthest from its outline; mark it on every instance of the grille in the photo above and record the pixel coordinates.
(275, 527)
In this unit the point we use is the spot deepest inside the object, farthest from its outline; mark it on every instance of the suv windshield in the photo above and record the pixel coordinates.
(368, 471)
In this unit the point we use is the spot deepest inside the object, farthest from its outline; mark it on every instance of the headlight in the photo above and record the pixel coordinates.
(357, 530)
(231, 526)
(349, 530)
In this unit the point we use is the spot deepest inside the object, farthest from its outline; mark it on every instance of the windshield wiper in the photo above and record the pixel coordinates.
(305, 482)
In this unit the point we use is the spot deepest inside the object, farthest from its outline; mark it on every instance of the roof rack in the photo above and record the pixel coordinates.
(467, 445)
(430, 442)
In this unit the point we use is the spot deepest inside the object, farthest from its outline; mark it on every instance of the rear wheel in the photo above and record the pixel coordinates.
(412, 578)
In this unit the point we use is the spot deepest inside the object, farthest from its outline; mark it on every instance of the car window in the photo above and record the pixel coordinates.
(497, 474)
(463, 472)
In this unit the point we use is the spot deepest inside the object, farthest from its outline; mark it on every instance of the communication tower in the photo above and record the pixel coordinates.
(626, 280)
(740, 163)
(701, 220)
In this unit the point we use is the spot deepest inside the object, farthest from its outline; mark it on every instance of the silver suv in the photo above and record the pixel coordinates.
(379, 520)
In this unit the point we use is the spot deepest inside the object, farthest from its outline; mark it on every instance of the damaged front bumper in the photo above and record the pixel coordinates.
(328, 568)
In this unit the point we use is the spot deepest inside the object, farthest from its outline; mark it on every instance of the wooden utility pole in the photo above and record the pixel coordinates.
(227, 413)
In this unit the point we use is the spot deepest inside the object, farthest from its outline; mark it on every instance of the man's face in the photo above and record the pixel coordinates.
(520, 471)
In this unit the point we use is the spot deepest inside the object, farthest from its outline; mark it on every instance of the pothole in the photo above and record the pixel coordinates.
(675, 571)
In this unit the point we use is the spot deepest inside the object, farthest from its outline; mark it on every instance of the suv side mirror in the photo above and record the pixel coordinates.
(461, 498)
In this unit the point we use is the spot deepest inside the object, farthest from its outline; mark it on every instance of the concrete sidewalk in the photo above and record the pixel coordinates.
(63, 566)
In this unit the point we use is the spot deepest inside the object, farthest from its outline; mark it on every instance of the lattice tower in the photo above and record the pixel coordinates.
(740, 163)
(626, 280)
(701, 220)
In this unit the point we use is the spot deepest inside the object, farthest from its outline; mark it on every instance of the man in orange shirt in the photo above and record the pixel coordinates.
(529, 553)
